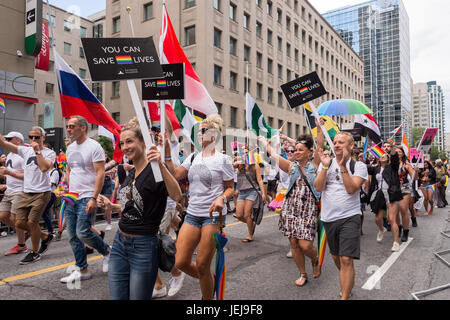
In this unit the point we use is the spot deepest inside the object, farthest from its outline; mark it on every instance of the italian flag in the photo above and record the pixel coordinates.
(196, 97)
(189, 126)
(255, 119)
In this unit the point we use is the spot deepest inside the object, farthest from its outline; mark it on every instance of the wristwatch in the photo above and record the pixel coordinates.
(38, 153)
(224, 198)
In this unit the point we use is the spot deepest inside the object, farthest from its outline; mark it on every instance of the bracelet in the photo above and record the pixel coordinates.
(325, 168)
(344, 172)
(168, 158)
(94, 198)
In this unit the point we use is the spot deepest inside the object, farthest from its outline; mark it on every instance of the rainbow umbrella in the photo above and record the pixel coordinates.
(221, 266)
(322, 237)
(69, 197)
(343, 107)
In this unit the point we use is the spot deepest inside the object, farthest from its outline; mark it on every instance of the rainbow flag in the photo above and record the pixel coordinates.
(250, 158)
(124, 60)
(322, 238)
(445, 162)
(220, 241)
(161, 83)
(377, 151)
(433, 188)
(304, 90)
(2, 105)
(69, 197)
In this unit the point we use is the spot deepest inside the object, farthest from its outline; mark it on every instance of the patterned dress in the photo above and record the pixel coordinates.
(298, 218)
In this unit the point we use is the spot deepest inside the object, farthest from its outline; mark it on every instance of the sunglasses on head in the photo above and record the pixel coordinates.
(34, 137)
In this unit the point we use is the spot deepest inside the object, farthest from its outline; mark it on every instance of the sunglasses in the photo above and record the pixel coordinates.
(34, 137)
(337, 175)
(203, 130)
(70, 126)
(8, 139)
(290, 151)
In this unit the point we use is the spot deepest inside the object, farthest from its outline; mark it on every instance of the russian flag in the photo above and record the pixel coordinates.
(78, 100)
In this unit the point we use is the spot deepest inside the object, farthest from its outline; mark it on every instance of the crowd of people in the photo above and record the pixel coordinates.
(299, 179)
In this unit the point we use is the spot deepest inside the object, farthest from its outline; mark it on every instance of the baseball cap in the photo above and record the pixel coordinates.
(14, 134)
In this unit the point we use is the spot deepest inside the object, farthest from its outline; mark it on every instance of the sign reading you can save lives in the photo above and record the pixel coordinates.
(114, 59)
(303, 90)
(168, 88)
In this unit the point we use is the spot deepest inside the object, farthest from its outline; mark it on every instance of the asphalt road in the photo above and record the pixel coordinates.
(258, 270)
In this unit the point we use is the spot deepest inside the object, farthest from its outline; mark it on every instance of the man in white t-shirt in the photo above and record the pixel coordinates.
(13, 170)
(38, 160)
(340, 180)
(85, 176)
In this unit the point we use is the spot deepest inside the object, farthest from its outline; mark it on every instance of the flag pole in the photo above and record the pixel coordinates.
(309, 126)
(247, 91)
(140, 115)
(162, 104)
(324, 130)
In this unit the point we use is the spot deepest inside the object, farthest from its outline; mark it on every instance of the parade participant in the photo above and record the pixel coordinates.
(340, 182)
(406, 174)
(55, 177)
(385, 193)
(142, 201)
(107, 191)
(300, 210)
(249, 184)
(85, 176)
(38, 160)
(441, 178)
(13, 170)
(210, 175)
(427, 179)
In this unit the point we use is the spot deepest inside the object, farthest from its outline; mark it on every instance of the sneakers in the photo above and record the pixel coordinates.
(105, 262)
(58, 236)
(76, 275)
(396, 247)
(159, 293)
(380, 234)
(405, 235)
(175, 284)
(30, 258)
(289, 254)
(16, 250)
(108, 227)
(45, 243)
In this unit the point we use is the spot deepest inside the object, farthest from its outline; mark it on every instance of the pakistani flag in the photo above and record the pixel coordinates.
(255, 119)
(189, 125)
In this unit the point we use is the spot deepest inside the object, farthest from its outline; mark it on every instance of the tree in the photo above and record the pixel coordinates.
(107, 145)
(417, 134)
(435, 154)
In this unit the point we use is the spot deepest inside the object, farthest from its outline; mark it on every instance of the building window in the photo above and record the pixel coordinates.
(288, 49)
(67, 26)
(217, 38)
(259, 58)
(116, 89)
(49, 88)
(258, 29)
(270, 120)
(148, 11)
(67, 48)
(288, 23)
(280, 71)
(97, 89)
(189, 3)
(296, 53)
(258, 3)
(269, 66)
(269, 36)
(259, 91)
(189, 35)
(98, 30)
(280, 44)
(217, 75)
(246, 21)
(83, 32)
(288, 75)
(82, 73)
(279, 15)
(116, 24)
(233, 117)
(233, 46)
(246, 53)
(232, 11)
(269, 7)
(216, 5)
(51, 65)
(247, 84)
(233, 80)
(303, 60)
(116, 117)
(270, 95)
(81, 52)
(296, 28)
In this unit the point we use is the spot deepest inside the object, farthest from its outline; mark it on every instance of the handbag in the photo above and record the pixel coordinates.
(166, 252)
(258, 204)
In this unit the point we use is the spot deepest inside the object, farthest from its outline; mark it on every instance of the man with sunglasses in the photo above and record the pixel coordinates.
(13, 171)
(85, 176)
(38, 160)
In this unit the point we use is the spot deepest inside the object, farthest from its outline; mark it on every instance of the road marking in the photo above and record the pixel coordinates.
(376, 277)
(66, 265)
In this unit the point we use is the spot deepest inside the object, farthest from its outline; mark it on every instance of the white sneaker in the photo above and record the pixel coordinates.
(396, 247)
(108, 227)
(105, 262)
(159, 293)
(76, 275)
(380, 234)
(175, 284)
(289, 254)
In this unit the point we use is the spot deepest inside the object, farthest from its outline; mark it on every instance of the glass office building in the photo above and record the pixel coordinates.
(437, 117)
(378, 31)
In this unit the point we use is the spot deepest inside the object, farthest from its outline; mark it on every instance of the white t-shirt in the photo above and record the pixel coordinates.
(176, 163)
(35, 181)
(284, 179)
(81, 159)
(206, 177)
(54, 178)
(336, 202)
(14, 163)
(382, 184)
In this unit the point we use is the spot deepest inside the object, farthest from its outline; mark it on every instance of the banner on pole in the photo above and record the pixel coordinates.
(303, 89)
(115, 59)
(427, 139)
(416, 157)
(170, 87)
(43, 59)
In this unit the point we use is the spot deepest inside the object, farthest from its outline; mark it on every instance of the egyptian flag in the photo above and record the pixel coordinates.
(78, 100)
(368, 126)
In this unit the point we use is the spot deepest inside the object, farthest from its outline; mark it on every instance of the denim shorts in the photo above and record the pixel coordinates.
(248, 194)
(200, 222)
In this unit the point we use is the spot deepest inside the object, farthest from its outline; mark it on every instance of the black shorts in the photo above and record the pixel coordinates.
(343, 236)
(272, 186)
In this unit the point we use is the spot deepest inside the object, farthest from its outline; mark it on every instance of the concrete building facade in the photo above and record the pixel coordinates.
(421, 106)
(281, 40)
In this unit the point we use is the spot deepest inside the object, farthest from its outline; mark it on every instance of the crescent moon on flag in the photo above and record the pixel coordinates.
(261, 125)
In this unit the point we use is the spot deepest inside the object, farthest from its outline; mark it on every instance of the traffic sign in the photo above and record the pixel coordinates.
(33, 27)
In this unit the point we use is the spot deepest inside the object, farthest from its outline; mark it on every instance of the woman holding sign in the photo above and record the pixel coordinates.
(211, 184)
